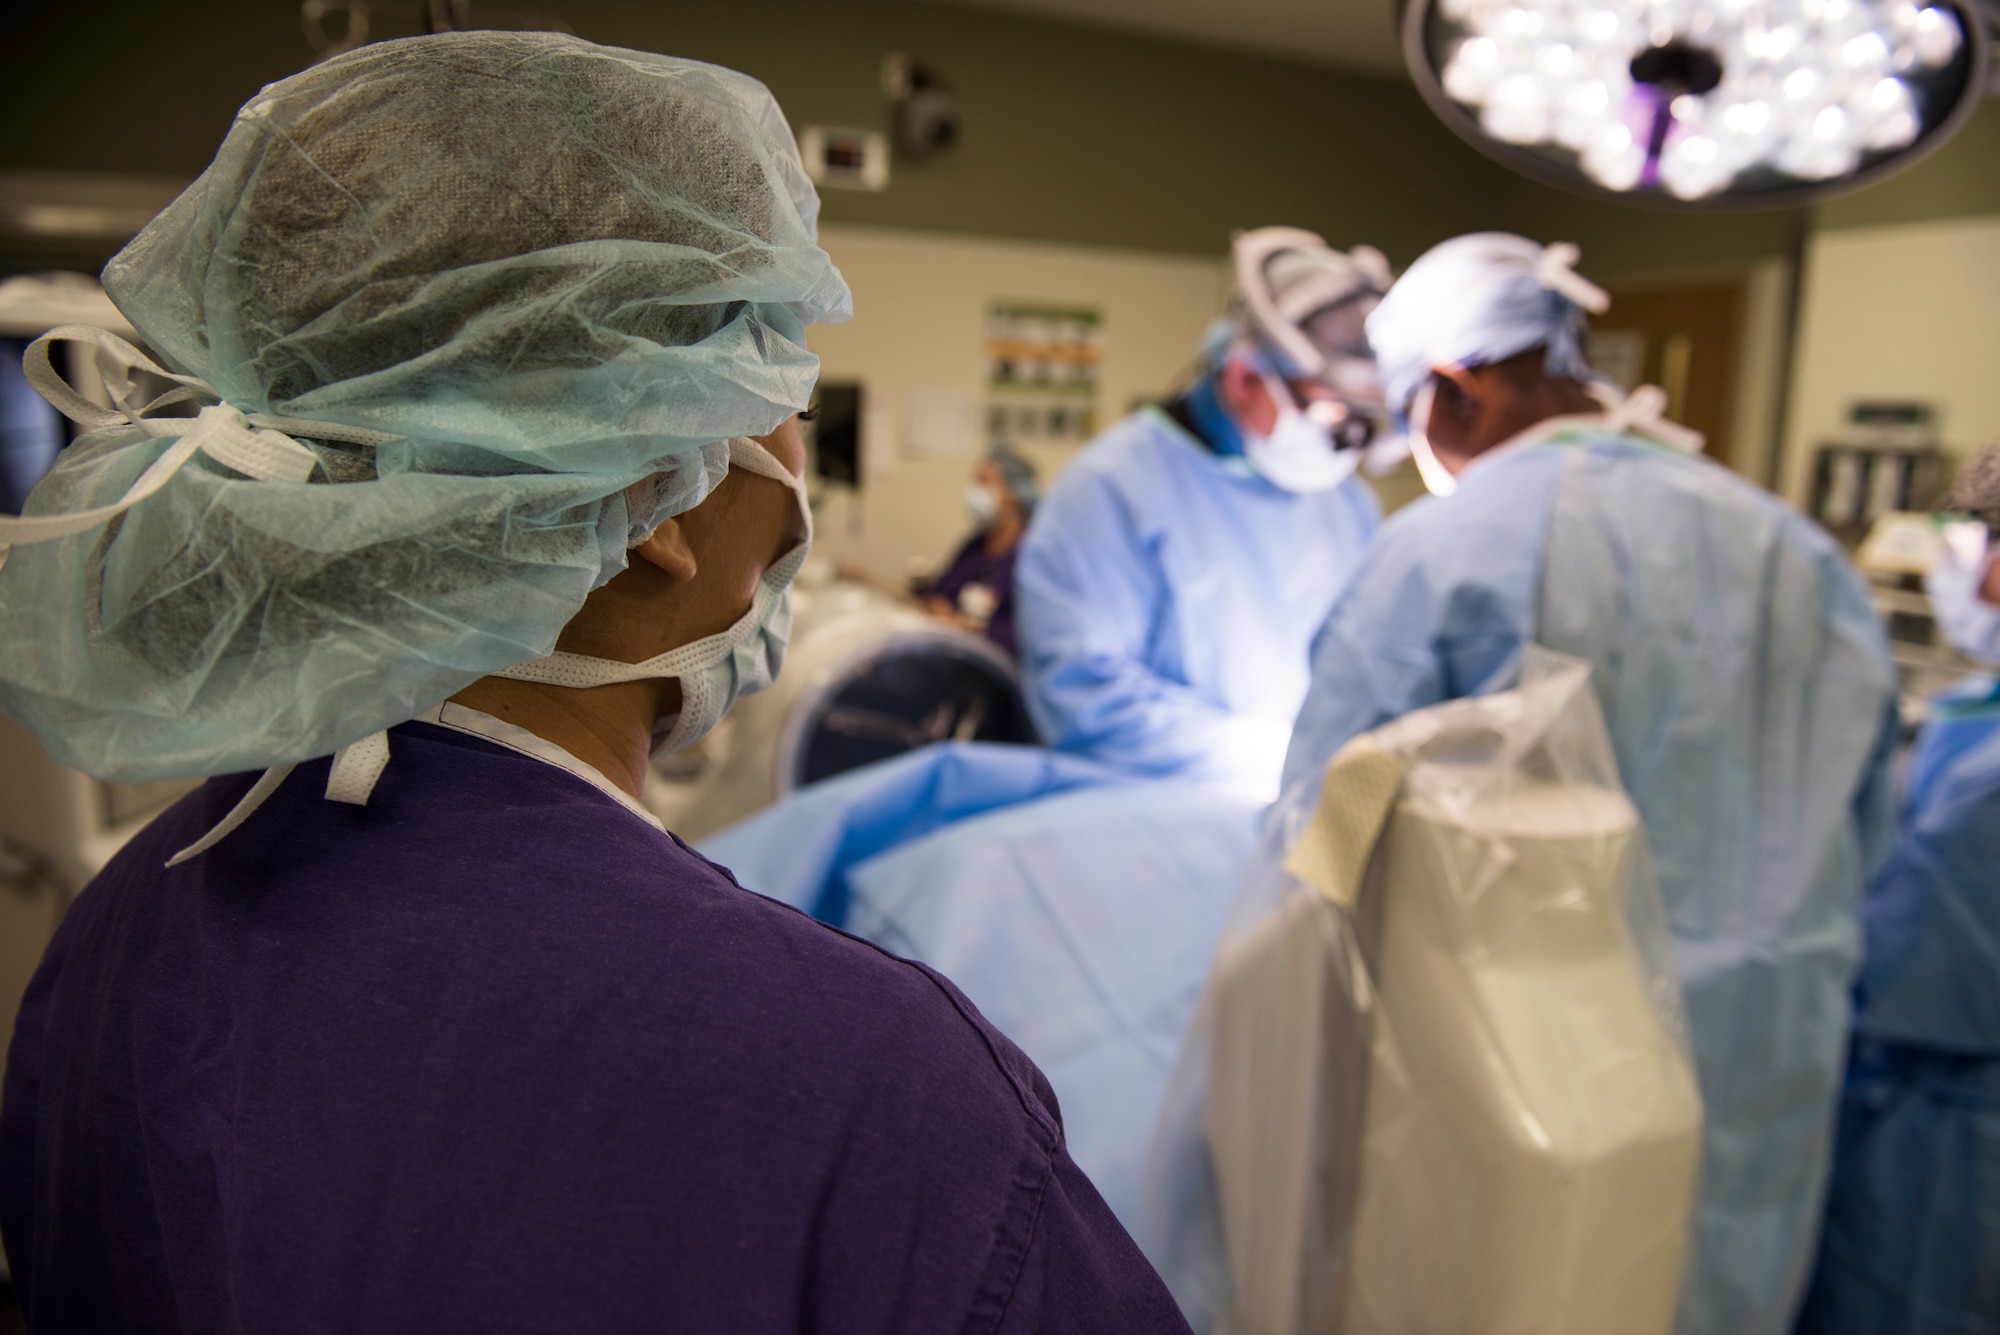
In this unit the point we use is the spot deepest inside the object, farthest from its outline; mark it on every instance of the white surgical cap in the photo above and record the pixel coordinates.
(1480, 299)
(559, 275)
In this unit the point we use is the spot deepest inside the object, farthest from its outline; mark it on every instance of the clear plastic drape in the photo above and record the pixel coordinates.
(1439, 1080)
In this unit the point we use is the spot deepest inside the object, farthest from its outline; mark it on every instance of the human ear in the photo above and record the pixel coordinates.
(666, 549)
(1245, 396)
(1459, 398)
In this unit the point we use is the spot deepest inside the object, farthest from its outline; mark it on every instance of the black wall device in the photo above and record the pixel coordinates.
(837, 433)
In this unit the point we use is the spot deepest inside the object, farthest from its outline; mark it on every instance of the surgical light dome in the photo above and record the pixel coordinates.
(1700, 103)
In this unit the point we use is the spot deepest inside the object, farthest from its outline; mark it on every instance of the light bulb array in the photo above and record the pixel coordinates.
(1806, 88)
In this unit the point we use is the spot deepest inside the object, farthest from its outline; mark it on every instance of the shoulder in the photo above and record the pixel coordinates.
(730, 976)
(1145, 435)
(1621, 462)
(1498, 514)
(608, 952)
(1357, 498)
(1659, 485)
(522, 952)
(881, 1007)
(567, 896)
(1128, 460)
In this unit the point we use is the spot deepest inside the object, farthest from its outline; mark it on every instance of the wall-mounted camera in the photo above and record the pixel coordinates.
(926, 113)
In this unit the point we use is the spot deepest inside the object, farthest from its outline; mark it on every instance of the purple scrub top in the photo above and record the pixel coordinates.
(973, 564)
(491, 1054)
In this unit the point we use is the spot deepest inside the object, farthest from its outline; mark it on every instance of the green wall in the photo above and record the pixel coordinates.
(1960, 180)
(1081, 135)
(1072, 134)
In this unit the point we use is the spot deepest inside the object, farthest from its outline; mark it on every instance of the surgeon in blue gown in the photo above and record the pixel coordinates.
(1911, 1244)
(1076, 894)
(1171, 582)
(1745, 680)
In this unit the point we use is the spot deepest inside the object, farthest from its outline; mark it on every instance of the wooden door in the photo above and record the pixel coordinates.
(1684, 337)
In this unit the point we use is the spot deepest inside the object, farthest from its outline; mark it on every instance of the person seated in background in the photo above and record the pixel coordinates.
(976, 590)
(1911, 1241)
(432, 1027)
(1171, 582)
(1744, 678)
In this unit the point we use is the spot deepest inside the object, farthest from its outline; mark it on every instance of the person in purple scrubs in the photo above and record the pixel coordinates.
(432, 1026)
(976, 590)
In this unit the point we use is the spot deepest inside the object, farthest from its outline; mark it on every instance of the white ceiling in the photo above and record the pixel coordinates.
(1359, 34)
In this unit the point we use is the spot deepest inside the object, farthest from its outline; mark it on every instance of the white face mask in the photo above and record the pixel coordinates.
(1966, 620)
(717, 671)
(1298, 455)
(982, 505)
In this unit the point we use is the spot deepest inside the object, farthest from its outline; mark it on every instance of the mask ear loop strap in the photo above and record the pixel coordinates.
(356, 767)
(255, 445)
(245, 807)
(581, 671)
(1438, 480)
(46, 381)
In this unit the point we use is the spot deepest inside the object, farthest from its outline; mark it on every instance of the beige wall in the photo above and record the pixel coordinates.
(920, 302)
(1767, 293)
(919, 329)
(1910, 311)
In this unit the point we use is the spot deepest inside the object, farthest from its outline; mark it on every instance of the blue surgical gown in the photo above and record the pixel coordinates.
(1747, 687)
(1167, 599)
(1076, 907)
(1912, 1237)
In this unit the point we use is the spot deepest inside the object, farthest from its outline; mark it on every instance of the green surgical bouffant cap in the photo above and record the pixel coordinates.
(553, 278)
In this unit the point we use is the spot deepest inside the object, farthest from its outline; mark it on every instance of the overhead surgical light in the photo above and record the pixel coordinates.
(1701, 103)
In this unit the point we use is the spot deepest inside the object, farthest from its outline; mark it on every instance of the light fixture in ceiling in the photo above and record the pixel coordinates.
(1701, 103)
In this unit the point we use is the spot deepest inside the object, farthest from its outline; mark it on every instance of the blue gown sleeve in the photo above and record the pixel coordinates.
(1932, 914)
(1089, 596)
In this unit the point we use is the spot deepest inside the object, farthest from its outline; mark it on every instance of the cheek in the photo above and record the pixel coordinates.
(771, 530)
(1258, 412)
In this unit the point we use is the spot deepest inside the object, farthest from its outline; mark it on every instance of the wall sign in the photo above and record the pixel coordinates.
(1041, 371)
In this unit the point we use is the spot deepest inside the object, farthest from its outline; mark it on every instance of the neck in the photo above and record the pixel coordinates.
(1572, 399)
(1516, 416)
(609, 728)
(1211, 418)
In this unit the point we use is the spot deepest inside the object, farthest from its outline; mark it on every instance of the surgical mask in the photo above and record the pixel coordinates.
(1299, 454)
(982, 505)
(1967, 621)
(716, 671)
